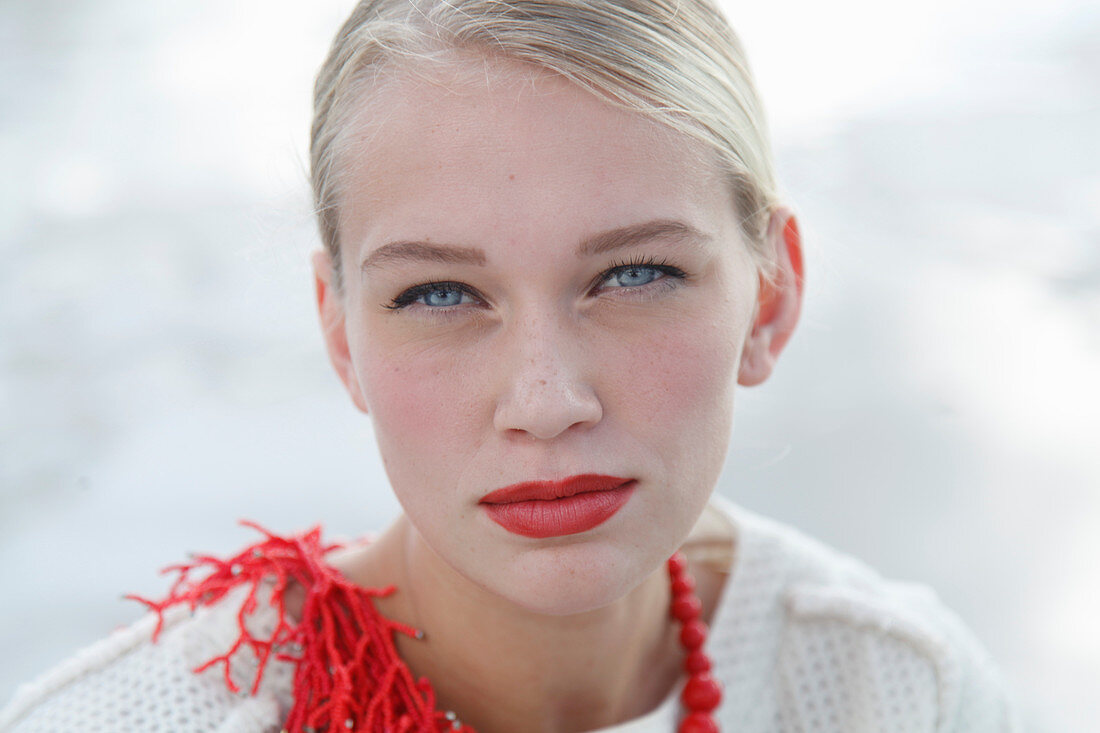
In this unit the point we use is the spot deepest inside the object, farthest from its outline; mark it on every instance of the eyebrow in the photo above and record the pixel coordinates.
(600, 243)
(633, 234)
(411, 251)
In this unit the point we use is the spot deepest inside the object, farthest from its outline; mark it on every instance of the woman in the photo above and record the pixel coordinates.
(553, 246)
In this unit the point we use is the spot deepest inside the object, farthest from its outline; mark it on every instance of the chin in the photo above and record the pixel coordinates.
(572, 579)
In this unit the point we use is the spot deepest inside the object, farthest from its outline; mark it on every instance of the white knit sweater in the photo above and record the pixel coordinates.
(804, 639)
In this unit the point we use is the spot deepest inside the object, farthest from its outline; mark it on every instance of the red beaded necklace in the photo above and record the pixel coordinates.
(702, 693)
(342, 645)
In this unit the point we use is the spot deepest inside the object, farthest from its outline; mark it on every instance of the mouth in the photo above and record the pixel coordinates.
(540, 509)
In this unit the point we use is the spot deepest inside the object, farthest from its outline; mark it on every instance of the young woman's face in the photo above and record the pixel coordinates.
(538, 286)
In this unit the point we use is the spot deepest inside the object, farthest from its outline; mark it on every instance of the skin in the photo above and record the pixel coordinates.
(546, 363)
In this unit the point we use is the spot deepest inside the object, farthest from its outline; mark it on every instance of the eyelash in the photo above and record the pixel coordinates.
(660, 265)
(670, 275)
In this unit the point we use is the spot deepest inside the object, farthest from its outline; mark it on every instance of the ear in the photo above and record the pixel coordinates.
(330, 304)
(779, 301)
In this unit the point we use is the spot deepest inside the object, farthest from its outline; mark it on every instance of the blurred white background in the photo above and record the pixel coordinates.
(937, 415)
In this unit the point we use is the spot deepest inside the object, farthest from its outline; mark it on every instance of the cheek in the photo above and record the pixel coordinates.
(422, 406)
(683, 378)
(676, 400)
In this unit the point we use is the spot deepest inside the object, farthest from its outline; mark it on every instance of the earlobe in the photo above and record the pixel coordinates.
(330, 306)
(779, 301)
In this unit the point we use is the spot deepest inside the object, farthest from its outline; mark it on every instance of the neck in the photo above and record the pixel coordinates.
(500, 667)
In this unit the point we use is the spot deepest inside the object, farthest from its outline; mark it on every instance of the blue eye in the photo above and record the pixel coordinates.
(637, 274)
(442, 297)
(633, 276)
(433, 295)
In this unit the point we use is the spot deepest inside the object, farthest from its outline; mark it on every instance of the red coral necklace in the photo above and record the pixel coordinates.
(342, 645)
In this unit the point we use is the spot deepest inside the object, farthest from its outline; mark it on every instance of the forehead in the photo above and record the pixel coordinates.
(488, 147)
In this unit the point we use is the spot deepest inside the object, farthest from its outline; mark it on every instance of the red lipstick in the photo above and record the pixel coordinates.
(555, 508)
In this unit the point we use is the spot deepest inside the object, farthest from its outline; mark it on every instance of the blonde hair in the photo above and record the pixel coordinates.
(677, 61)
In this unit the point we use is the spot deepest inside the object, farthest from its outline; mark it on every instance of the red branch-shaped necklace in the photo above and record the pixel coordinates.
(348, 674)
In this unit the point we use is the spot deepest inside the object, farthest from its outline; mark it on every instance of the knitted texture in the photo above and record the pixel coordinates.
(804, 640)
(126, 683)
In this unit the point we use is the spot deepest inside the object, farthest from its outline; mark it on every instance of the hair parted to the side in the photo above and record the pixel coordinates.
(677, 61)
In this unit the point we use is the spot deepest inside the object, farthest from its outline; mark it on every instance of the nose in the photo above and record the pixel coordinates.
(544, 390)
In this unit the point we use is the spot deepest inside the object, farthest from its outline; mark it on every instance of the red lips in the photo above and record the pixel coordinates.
(575, 504)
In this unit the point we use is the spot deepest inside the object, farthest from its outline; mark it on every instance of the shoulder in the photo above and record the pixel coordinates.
(129, 682)
(843, 648)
